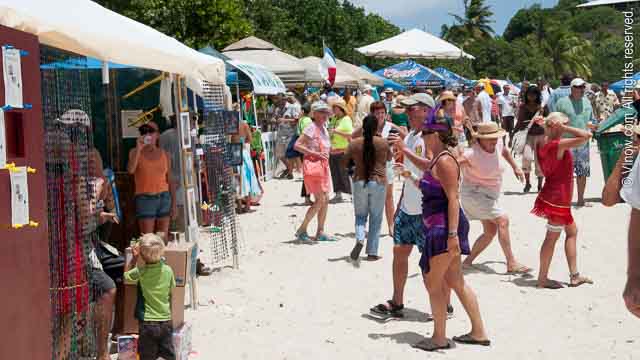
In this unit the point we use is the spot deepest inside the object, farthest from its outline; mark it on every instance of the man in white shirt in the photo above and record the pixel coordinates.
(364, 106)
(507, 103)
(606, 103)
(545, 91)
(483, 102)
(408, 228)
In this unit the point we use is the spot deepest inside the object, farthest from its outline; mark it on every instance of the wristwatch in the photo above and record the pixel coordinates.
(452, 234)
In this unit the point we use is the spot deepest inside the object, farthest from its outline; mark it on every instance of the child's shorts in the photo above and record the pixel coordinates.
(156, 340)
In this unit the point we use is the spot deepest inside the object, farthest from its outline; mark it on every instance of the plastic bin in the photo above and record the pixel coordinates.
(610, 146)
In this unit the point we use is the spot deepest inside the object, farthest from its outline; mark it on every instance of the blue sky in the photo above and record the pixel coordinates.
(433, 13)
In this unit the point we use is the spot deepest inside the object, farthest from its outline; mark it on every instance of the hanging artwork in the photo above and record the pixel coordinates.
(192, 207)
(19, 196)
(183, 99)
(188, 169)
(185, 130)
(3, 141)
(231, 122)
(12, 71)
(128, 120)
(233, 154)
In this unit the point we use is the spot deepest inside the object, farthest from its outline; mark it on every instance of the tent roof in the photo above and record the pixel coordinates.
(360, 74)
(452, 78)
(86, 28)
(287, 67)
(251, 43)
(605, 2)
(414, 44)
(344, 77)
(386, 83)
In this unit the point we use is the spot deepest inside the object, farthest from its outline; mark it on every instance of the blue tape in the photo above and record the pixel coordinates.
(24, 53)
(9, 107)
(7, 46)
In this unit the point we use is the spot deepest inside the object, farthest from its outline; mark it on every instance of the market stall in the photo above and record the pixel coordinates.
(411, 74)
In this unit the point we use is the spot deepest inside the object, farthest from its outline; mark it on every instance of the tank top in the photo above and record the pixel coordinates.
(151, 175)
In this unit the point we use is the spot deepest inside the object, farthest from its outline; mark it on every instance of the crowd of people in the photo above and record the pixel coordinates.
(450, 151)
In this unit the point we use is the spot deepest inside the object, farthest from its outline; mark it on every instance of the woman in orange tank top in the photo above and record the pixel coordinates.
(154, 194)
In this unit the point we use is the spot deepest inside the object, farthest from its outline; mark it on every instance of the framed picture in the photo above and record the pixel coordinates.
(183, 95)
(192, 207)
(231, 122)
(187, 157)
(185, 130)
(233, 154)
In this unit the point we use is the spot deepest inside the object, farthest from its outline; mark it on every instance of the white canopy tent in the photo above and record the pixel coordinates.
(362, 75)
(605, 2)
(414, 44)
(253, 50)
(347, 75)
(86, 28)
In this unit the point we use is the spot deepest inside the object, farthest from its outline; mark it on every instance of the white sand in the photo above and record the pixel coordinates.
(291, 301)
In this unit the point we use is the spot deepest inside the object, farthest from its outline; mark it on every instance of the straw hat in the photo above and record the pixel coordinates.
(489, 130)
(399, 100)
(320, 106)
(446, 95)
(341, 104)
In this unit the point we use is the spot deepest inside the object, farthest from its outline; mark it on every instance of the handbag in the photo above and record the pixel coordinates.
(520, 138)
(313, 166)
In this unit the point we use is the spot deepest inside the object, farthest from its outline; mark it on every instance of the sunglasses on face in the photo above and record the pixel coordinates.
(427, 132)
(579, 87)
(146, 129)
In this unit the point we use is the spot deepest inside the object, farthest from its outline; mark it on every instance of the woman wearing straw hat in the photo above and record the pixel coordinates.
(480, 192)
(341, 130)
(315, 145)
(623, 185)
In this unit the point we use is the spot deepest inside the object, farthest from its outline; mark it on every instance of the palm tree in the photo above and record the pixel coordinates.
(568, 52)
(474, 25)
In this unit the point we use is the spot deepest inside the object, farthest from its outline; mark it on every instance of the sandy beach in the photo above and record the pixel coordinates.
(300, 301)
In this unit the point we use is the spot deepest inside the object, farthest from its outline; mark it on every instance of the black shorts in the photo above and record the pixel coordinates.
(507, 123)
(100, 283)
(156, 340)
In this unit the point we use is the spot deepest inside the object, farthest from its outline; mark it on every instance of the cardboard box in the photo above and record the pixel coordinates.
(130, 323)
(182, 345)
(182, 259)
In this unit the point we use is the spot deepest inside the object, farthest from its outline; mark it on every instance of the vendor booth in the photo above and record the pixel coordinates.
(411, 74)
(55, 101)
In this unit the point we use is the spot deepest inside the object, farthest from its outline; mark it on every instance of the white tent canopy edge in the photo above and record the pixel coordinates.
(86, 28)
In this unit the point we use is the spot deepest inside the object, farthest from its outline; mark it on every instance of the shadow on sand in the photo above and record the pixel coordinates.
(404, 338)
(410, 315)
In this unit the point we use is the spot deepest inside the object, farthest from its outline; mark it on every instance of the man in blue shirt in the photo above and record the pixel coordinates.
(563, 91)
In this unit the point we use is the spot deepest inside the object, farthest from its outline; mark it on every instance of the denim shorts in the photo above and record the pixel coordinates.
(153, 206)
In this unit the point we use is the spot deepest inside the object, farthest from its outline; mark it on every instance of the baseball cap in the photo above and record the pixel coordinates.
(419, 98)
(577, 82)
(320, 106)
(367, 87)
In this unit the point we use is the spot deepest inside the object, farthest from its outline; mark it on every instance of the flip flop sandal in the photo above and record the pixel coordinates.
(520, 270)
(303, 236)
(392, 310)
(325, 238)
(355, 253)
(467, 339)
(428, 345)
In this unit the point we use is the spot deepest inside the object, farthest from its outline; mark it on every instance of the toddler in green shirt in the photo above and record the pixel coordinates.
(153, 309)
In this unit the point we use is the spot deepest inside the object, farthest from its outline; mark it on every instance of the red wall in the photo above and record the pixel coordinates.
(24, 253)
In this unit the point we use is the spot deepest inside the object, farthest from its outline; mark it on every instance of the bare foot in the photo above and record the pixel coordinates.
(517, 268)
(549, 284)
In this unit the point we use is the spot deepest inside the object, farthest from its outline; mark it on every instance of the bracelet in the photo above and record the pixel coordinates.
(452, 234)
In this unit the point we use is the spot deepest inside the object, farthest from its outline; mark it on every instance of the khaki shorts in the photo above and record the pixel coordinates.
(480, 203)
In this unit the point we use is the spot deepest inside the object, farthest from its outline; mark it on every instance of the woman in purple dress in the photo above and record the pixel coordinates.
(446, 238)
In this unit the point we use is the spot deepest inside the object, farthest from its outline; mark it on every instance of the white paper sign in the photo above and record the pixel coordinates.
(12, 71)
(128, 117)
(19, 196)
(3, 141)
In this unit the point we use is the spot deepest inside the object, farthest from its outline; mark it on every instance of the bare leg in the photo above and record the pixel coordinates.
(389, 209)
(546, 254)
(162, 226)
(105, 309)
(434, 282)
(581, 181)
(401, 255)
(504, 237)
(455, 281)
(490, 230)
(571, 252)
(147, 226)
(311, 213)
(322, 198)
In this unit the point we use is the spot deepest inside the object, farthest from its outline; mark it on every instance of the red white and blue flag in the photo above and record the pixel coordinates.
(327, 66)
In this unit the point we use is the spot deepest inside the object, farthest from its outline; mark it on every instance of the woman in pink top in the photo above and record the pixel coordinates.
(480, 191)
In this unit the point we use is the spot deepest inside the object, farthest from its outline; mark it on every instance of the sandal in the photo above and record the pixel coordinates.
(579, 280)
(391, 309)
(373, 257)
(520, 270)
(302, 236)
(428, 345)
(467, 339)
(325, 237)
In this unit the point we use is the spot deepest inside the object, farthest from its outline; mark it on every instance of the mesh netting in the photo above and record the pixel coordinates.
(67, 145)
(223, 236)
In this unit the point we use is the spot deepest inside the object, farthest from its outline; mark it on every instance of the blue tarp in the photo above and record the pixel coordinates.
(82, 63)
(410, 73)
(388, 83)
(620, 85)
(453, 79)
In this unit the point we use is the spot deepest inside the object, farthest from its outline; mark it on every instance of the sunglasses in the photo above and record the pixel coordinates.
(427, 132)
(146, 129)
